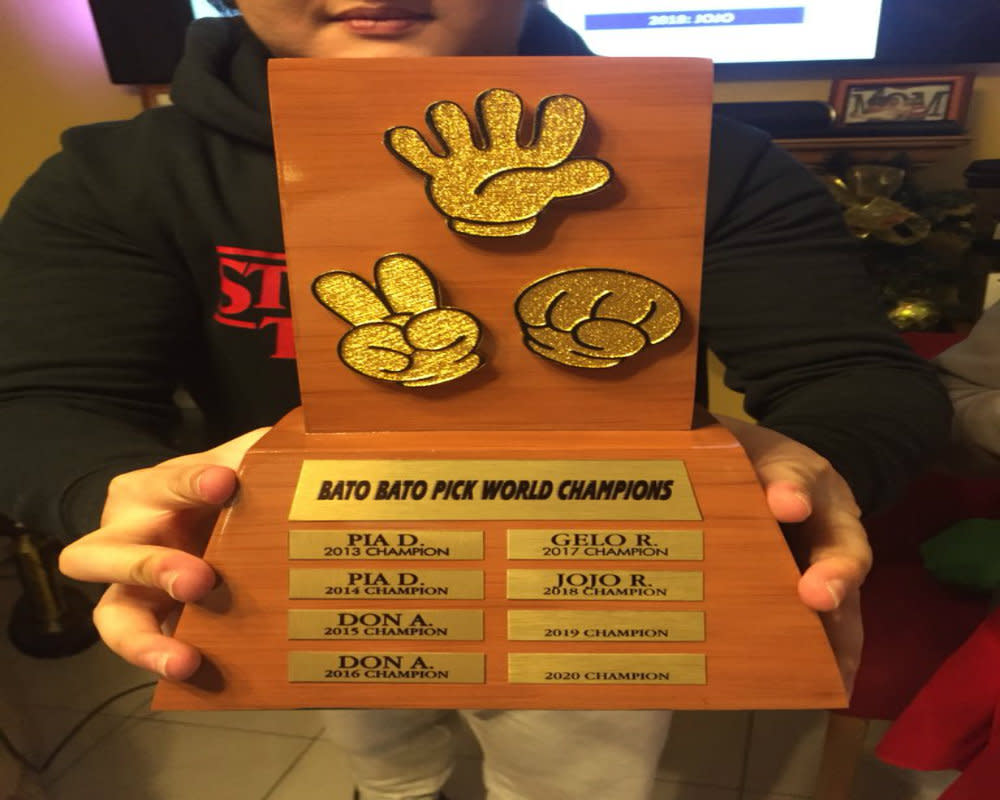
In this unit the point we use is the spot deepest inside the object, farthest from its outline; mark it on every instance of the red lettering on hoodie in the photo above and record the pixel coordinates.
(253, 294)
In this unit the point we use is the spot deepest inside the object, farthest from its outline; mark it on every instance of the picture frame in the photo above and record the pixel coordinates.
(911, 100)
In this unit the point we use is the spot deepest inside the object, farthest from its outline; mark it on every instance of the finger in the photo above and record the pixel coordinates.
(129, 621)
(577, 177)
(174, 497)
(452, 127)
(787, 500)
(571, 308)
(376, 349)
(845, 631)
(349, 297)
(499, 112)
(105, 558)
(525, 192)
(827, 583)
(560, 122)
(559, 347)
(410, 146)
(229, 454)
(200, 480)
(641, 301)
(406, 284)
(611, 338)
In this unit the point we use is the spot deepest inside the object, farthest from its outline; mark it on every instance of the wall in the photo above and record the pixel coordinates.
(983, 122)
(53, 77)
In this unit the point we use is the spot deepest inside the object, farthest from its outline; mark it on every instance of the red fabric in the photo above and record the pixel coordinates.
(913, 622)
(953, 722)
(930, 344)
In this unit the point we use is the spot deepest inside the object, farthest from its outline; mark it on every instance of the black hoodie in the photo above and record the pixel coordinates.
(148, 255)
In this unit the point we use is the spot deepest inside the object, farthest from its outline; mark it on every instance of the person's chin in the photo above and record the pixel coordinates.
(343, 44)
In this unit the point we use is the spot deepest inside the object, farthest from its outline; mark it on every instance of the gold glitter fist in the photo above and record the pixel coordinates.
(595, 317)
(499, 187)
(401, 333)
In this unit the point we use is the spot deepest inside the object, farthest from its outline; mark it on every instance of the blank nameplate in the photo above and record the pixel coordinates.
(606, 626)
(617, 668)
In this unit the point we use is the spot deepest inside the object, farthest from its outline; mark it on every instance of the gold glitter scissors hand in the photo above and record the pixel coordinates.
(401, 333)
(497, 187)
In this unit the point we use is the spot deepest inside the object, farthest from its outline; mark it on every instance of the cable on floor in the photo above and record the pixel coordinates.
(40, 768)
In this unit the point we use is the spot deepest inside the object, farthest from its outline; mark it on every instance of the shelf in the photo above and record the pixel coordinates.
(921, 150)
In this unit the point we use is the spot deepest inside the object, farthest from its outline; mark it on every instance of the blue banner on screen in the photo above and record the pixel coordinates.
(677, 19)
(739, 31)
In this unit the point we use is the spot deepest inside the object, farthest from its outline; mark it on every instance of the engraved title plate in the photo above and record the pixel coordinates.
(386, 623)
(452, 584)
(582, 584)
(607, 545)
(372, 667)
(385, 544)
(494, 490)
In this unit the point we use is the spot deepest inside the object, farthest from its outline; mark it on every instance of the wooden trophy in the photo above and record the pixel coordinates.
(493, 495)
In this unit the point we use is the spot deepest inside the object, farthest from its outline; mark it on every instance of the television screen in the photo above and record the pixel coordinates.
(202, 8)
(143, 40)
(791, 31)
(731, 31)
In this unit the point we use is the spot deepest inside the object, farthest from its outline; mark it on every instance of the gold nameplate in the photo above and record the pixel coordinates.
(368, 667)
(386, 623)
(583, 584)
(414, 545)
(450, 584)
(410, 490)
(609, 545)
(606, 626)
(557, 668)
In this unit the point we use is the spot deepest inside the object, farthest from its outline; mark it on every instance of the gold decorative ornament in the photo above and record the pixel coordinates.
(401, 333)
(915, 314)
(496, 186)
(595, 318)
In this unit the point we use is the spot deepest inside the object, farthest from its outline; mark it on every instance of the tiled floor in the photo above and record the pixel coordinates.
(129, 753)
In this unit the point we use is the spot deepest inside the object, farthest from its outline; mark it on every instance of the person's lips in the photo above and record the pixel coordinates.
(381, 19)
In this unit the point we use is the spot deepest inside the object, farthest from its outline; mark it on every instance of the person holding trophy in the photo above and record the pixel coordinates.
(132, 259)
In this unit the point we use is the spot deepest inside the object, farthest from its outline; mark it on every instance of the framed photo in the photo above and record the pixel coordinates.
(915, 99)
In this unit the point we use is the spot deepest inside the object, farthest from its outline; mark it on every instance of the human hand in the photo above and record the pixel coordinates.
(401, 333)
(822, 524)
(500, 188)
(156, 522)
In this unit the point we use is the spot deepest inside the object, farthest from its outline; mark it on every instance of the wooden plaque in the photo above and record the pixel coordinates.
(519, 508)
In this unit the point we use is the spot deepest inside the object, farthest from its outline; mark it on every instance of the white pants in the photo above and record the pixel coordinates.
(527, 755)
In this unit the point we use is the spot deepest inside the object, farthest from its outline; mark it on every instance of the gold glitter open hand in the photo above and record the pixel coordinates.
(400, 333)
(500, 187)
(595, 318)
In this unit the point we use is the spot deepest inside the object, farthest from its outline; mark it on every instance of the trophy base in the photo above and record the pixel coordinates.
(687, 600)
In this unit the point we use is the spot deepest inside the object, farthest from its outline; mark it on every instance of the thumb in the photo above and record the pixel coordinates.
(579, 176)
(231, 454)
(199, 480)
(213, 483)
